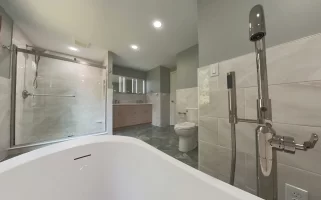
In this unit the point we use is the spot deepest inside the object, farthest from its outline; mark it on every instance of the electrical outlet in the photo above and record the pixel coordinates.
(295, 193)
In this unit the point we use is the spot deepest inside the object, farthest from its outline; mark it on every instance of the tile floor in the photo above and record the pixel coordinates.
(161, 138)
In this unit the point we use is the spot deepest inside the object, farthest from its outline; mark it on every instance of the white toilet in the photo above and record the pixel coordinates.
(187, 133)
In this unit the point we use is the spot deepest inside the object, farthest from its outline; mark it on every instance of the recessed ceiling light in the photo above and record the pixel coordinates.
(157, 24)
(73, 48)
(134, 46)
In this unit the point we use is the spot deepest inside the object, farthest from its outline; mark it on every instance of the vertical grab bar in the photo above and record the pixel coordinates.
(232, 108)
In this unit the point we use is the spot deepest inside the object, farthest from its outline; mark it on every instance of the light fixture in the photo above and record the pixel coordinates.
(134, 46)
(73, 48)
(157, 24)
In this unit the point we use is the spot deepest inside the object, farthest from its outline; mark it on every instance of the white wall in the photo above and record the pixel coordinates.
(294, 73)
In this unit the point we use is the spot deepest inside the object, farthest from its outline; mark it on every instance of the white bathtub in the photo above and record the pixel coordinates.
(118, 168)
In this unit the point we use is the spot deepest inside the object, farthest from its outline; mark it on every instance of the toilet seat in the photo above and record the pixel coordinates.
(185, 126)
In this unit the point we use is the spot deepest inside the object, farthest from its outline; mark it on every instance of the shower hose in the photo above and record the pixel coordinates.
(233, 158)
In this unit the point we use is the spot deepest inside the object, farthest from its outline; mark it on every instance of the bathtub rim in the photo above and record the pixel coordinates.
(58, 147)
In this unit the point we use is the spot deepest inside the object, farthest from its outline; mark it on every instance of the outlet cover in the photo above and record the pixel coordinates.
(214, 69)
(295, 193)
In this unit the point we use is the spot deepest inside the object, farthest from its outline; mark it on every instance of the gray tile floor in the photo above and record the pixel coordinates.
(161, 138)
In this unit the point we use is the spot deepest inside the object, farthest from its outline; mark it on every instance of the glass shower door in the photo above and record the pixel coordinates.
(57, 99)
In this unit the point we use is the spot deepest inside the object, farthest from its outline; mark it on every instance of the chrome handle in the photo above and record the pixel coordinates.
(311, 143)
(288, 144)
(25, 95)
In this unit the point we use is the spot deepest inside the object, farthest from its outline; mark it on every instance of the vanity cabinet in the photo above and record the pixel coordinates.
(131, 114)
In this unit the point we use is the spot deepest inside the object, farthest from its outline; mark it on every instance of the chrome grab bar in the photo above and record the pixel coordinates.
(25, 95)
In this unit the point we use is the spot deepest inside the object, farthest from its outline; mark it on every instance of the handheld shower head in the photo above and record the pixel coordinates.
(257, 23)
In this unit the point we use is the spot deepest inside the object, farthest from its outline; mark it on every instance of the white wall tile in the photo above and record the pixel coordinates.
(185, 98)
(296, 61)
(219, 103)
(218, 159)
(208, 129)
(295, 103)
(245, 136)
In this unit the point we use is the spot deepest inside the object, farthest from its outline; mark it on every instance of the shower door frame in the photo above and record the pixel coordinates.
(14, 54)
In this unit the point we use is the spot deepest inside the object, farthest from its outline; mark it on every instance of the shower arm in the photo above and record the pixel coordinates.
(282, 143)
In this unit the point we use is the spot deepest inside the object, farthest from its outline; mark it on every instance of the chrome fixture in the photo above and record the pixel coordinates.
(26, 94)
(267, 142)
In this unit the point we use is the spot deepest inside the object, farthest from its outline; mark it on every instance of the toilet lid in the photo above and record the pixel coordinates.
(185, 125)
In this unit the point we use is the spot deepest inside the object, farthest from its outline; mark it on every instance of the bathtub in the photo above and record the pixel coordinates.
(107, 168)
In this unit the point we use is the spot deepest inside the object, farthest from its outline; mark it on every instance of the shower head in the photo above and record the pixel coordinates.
(257, 23)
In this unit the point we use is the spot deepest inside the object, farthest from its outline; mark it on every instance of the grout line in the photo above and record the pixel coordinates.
(303, 170)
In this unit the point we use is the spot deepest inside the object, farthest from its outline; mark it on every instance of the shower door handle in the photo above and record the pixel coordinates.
(25, 95)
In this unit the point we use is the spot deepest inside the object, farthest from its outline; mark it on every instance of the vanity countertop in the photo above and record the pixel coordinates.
(131, 104)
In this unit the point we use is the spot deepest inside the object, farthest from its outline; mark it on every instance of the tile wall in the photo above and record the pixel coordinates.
(294, 71)
(186, 102)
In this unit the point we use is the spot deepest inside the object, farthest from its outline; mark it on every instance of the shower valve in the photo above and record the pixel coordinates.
(288, 144)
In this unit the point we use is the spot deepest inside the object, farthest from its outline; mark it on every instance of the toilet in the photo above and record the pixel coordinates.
(187, 133)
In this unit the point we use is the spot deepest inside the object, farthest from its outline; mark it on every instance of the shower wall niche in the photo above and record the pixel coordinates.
(74, 105)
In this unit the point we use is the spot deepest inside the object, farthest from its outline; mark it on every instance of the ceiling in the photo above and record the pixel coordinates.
(111, 25)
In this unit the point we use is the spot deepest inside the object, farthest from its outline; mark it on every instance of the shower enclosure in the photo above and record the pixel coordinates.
(55, 97)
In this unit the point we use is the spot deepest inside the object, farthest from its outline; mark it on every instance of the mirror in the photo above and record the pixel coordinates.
(122, 84)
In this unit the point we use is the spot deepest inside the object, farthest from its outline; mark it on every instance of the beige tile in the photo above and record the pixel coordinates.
(218, 159)
(250, 180)
(214, 174)
(245, 71)
(300, 57)
(219, 103)
(299, 178)
(295, 103)
(245, 136)
(207, 129)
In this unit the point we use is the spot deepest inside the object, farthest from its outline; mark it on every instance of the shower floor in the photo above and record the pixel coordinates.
(162, 138)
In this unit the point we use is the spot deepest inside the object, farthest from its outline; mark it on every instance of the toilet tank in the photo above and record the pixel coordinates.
(192, 115)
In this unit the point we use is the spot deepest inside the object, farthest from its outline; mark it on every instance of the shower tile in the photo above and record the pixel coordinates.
(245, 71)
(214, 174)
(207, 129)
(295, 103)
(295, 61)
(299, 178)
(219, 104)
(308, 160)
(250, 164)
(300, 57)
(244, 136)
(217, 159)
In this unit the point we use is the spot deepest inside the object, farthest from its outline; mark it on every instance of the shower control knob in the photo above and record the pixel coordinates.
(311, 143)
(288, 144)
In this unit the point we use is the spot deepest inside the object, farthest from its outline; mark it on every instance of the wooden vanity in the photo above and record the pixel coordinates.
(131, 114)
